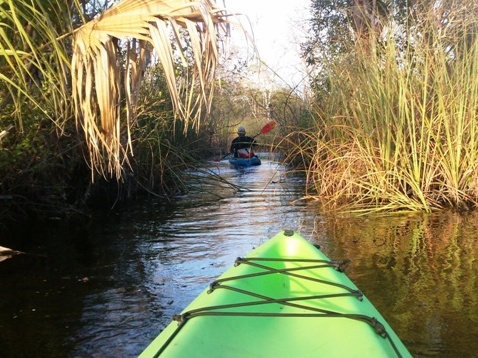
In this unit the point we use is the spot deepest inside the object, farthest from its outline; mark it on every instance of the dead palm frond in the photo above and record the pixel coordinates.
(166, 28)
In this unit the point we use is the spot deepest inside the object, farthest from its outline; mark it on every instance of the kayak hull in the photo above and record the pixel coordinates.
(244, 163)
(284, 299)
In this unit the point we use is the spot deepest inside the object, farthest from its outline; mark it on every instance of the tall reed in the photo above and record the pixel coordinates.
(397, 130)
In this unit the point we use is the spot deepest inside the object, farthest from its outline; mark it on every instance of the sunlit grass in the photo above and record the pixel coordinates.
(397, 129)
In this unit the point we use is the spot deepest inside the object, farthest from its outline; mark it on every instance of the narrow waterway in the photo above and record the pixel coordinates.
(108, 291)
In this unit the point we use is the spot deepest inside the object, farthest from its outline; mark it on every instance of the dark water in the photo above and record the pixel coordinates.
(108, 291)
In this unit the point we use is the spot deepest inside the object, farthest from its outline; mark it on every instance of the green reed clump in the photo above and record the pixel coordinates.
(398, 127)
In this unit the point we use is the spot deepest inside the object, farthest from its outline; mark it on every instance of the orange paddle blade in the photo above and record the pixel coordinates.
(268, 127)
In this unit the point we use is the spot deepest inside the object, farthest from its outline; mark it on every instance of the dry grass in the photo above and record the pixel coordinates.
(397, 131)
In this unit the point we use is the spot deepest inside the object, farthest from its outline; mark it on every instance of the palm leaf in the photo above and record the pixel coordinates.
(145, 25)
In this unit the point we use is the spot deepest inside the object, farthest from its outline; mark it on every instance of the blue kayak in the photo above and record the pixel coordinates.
(245, 162)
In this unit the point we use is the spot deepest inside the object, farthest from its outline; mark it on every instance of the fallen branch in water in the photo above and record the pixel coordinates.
(6, 253)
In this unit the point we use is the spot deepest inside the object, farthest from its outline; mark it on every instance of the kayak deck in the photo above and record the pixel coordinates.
(284, 299)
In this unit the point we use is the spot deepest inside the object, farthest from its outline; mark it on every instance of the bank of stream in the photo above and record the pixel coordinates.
(108, 291)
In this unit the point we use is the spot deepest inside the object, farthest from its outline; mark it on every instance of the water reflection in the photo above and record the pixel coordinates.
(109, 292)
(422, 272)
(174, 257)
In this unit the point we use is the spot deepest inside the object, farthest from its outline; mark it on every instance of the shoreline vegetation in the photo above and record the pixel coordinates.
(389, 125)
(395, 124)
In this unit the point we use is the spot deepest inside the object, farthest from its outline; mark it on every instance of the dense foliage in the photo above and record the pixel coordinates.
(100, 101)
(396, 96)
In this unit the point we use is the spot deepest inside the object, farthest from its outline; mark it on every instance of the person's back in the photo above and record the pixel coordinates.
(242, 145)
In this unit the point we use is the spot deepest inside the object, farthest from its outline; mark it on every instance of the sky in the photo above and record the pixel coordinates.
(278, 29)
